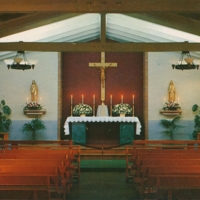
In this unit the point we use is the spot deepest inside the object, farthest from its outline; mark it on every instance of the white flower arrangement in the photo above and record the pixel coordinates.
(171, 106)
(122, 108)
(82, 109)
(33, 106)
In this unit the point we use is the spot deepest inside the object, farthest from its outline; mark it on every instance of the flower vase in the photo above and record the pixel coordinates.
(82, 115)
(122, 115)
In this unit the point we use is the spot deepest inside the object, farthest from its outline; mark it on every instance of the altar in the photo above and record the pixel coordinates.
(102, 130)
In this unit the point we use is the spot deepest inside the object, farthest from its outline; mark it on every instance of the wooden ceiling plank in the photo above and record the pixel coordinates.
(38, 19)
(171, 20)
(103, 28)
(99, 47)
(100, 6)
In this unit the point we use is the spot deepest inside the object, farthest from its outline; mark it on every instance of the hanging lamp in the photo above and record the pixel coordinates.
(20, 62)
(185, 62)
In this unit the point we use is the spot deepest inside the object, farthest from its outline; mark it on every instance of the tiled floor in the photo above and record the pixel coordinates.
(103, 186)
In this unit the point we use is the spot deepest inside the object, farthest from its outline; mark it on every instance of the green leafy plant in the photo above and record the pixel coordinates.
(5, 113)
(122, 108)
(82, 109)
(195, 108)
(171, 126)
(35, 126)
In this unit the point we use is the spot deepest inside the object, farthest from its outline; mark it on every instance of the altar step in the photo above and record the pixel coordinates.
(103, 166)
(95, 159)
(98, 153)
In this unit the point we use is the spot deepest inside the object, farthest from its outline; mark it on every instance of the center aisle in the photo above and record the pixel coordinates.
(103, 186)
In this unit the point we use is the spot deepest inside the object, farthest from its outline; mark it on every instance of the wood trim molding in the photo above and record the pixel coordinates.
(145, 90)
(59, 94)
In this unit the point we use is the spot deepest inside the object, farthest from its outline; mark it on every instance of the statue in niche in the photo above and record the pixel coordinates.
(34, 91)
(171, 92)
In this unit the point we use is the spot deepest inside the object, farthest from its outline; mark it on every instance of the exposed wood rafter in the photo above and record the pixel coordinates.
(99, 47)
(23, 23)
(100, 6)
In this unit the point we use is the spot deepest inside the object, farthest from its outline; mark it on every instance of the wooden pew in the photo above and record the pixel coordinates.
(73, 151)
(165, 143)
(133, 153)
(40, 158)
(172, 177)
(35, 178)
(15, 144)
(156, 167)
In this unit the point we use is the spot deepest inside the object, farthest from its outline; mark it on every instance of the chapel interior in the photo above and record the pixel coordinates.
(109, 80)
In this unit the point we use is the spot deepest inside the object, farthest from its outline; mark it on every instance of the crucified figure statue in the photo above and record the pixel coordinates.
(102, 66)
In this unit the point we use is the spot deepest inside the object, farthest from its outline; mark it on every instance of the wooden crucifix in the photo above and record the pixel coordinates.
(102, 66)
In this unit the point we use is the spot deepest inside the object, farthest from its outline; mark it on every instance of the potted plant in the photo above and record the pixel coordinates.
(196, 131)
(5, 112)
(171, 126)
(122, 108)
(82, 109)
(34, 126)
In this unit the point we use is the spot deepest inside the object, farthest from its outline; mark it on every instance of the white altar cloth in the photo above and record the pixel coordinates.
(102, 119)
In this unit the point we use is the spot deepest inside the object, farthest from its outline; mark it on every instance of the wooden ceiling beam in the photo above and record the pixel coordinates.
(99, 47)
(100, 6)
(37, 19)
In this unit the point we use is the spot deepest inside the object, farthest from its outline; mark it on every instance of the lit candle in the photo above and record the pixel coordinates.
(164, 99)
(93, 99)
(82, 99)
(27, 99)
(110, 99)
(71, 99)
(121, 98)
(133, 99)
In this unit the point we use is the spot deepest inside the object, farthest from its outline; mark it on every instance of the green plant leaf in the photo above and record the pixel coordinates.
(195, 107)
(34, 126)
(176, 119)
(171, 126)
(3, 102)
(165, 123)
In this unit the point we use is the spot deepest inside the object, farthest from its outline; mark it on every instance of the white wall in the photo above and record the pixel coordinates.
(15, 85)
(187, 84)
(15, 88)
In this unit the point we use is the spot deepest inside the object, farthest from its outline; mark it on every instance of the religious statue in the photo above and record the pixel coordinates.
(103, 66)
(103, 76)
(34, 91)
(171, 92)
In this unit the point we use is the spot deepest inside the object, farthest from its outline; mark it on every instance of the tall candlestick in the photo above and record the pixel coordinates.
(133, 99)
(121, 98)
(110, 105)
(26, 99)
(93, 105)
(71, 99)
(82, 98)
(178, 100)
(93, 99)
